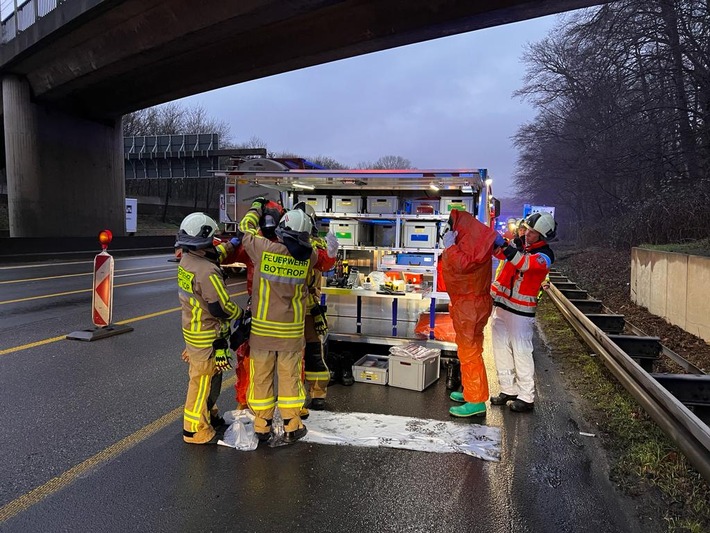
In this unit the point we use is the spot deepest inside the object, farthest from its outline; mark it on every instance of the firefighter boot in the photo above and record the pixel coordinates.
(293, 430)
(317, 404)
(263, 430)
(519, 406)
(457, 396)
(468, 409)
(503, 398)
(346, 369)
(453, 375)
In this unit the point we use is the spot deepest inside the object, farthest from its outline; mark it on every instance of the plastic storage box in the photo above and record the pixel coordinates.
(384, 235)
(415, 259)
(421, 207)
(346, 204)
(371, 369)
(449, 203)
(413, 374)
(417, 234)
(350, 232)
(319, 202)
(382, 204)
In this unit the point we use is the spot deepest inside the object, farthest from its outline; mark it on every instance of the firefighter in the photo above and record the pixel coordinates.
(466, 267)
(279, 297)
(206, 314)
(267, 228)
(515, 294)
(317, 374)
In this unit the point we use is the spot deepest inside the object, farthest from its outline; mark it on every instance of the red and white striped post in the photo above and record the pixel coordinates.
(101, 297)
(102, 294)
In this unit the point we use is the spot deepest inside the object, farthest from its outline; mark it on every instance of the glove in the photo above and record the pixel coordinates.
(450, 238)
(259, 202)
(185, 356)
(500, 241)
(242, 328)
(222, 357)
(331, 244)
(320, 322)
(235, 241)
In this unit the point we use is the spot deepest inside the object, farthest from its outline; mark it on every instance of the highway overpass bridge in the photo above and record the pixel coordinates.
(71, 70)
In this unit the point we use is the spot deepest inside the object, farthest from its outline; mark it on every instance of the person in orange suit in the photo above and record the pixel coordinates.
(467, 268)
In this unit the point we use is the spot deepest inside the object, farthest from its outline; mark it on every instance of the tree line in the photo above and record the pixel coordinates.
(621, 143)
(203, 193)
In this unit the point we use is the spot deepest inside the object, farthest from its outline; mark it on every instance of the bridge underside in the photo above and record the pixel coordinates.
(120, 56)
(69, 78)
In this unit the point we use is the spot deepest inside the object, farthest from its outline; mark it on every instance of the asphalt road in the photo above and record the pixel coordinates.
(91, 436)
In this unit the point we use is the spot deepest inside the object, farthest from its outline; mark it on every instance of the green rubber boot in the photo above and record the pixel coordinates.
(468, 409)
(457, 397)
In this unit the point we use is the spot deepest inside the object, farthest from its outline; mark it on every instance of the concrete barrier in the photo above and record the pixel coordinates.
(39, 249)
(673, 286)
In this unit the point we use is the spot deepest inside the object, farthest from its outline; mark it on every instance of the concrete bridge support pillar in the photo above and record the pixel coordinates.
(65, 174)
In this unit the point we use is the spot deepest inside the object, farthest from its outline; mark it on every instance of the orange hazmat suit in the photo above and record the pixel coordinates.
(467, 269)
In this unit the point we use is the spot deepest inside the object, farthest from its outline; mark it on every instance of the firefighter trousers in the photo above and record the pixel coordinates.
(289, 397)
(512, 337)
(317, 373)
(205, 383)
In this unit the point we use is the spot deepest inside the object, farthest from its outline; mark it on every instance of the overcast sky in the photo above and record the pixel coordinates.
(441, 104)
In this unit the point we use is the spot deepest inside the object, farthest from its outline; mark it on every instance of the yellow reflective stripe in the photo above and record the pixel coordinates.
(250, 223)
(221, 251)
(229, 306)
(254, 404)
(297, 304)
(264, 292)
(196, 315)
(278, 325)
(317, 376)
(199, 400)
(277, 334)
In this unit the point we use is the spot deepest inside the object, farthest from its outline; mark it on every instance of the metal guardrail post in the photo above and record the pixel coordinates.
(688, 432)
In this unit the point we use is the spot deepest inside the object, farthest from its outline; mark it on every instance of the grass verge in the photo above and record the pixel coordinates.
(701, 247)
(644, 462)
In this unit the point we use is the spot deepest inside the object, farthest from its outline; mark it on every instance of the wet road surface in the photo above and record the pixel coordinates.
(91, 436)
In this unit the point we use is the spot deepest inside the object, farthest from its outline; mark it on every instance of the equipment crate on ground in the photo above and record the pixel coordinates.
(413, 374)
(371, 369)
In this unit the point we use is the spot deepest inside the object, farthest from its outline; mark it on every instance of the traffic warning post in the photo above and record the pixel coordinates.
(101, 297)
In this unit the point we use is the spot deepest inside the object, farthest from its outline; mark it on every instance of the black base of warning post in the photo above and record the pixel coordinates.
(95, 334)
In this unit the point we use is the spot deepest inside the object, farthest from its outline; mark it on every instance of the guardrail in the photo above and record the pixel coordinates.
(17, 16)
(688, 431)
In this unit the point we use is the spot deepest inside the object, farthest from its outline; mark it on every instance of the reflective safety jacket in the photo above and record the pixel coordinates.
(206, 307)
(279, 297)
(516, 286)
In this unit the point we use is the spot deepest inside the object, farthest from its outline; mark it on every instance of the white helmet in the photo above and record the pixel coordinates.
(543, 223)
(196, 231)
(296, 220)
(306, 208)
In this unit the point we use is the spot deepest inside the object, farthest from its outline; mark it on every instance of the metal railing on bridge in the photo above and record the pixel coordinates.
(18, 15)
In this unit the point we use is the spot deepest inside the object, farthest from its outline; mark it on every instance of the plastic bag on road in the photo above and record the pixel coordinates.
(240, 433)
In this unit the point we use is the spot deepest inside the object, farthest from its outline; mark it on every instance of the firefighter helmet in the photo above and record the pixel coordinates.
(196, 232)
(306, 208)
(270, 218)
(543, 223)
(297, 221)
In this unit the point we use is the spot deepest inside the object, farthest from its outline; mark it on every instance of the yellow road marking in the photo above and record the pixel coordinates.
(127, 321)
(79, 291)
(88, 274)
(56, 484)
(91, 262)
